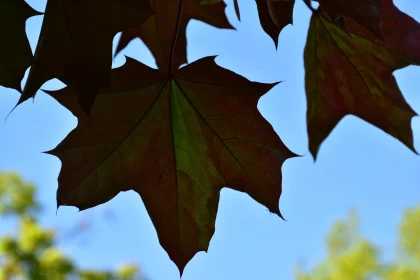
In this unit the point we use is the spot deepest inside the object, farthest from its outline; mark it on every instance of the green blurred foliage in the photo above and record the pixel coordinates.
(31, 253)
(353, 257)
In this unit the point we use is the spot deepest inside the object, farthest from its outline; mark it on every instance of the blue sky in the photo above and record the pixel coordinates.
(358, 166)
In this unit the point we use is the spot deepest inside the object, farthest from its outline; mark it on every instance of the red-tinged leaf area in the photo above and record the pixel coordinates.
(177, 142)
(15, 51)
(75, 44)
(158, 31)
(353, 75)
(275, 15)
(366, 13)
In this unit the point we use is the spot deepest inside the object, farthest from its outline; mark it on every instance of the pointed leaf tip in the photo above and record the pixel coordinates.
(237, 10)
(275, 16)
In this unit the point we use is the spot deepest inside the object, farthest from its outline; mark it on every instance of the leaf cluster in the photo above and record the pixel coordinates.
(178, 135)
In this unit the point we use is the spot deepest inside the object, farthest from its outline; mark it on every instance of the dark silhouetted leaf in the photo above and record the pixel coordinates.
(158, 32)
(237, 11)
(177, 142)
(75, 44)
(275, 15)
(353, 75)
(15, 51)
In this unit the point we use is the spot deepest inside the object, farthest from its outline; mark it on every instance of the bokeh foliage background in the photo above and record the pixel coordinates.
(31, 251)
(350, 256)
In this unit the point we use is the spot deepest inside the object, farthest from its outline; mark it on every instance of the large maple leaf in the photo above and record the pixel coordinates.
(15, 51)
(353, 75)
(158, 31)
(75, 44)
(175, 141)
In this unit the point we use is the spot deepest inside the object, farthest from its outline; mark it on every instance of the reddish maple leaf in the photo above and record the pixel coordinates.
(367, 13)
(175, 141)
(75, 44)
(158, 31)
(353, 75)
(275, 15)
(15, 51)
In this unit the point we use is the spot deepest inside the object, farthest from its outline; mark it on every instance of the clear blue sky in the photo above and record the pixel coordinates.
(358, 166)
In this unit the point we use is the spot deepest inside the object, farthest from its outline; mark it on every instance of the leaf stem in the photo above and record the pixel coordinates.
(171, 54)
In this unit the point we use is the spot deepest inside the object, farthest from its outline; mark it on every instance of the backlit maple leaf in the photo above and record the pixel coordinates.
(175, 141)
(353, 75)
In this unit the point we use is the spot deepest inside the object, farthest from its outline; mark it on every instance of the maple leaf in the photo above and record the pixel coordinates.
(176, 142)
(75, 44)
(15, 51)
(353, 75)
(367, 13)
(275, 15)
(158, 31)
